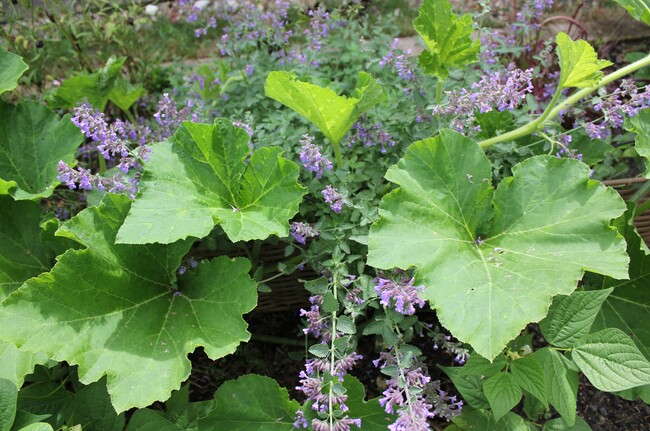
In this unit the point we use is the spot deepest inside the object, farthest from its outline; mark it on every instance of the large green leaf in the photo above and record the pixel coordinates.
(334, 115)
(639, 9)
(491, 261)
(579, 63)
(447, 36)
(94, 88)
(33, 140)
(628, 307)
(640, 124)
(570, 317)
(12, 67)
(118, 310)
(251, 403)
(611, 361)
(202, 178)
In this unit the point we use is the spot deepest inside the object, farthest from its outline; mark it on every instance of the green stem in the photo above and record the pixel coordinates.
(552, 111)
(102, 164)
(439, 91)
(337, 152)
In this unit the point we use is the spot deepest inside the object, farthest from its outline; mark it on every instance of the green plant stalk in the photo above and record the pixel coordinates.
(642, 208)
(332, 350)
(552, 111)
(337, 153)
(439, 92)
(102, 164)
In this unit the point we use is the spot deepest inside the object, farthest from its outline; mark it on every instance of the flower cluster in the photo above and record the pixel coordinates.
(332, 197)
(403, 293)
(371, 135)
(169, 117)
(626, 101)
(456, 348)
(501, 91)
(110, 139)
(402, 63)
(301, 231)
(319, 391)
(311, 157)
(113, 142)
(405, 394)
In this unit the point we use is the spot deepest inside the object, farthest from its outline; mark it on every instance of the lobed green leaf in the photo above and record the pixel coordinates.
(490, 261)
(119, 310)
(202, 178)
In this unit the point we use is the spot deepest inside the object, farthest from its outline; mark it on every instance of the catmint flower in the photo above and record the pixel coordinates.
(372, 135)
(403, 64)
(301, 231)
(404, 294)
(444, 405)
(500, 91)
(412, 408)
(332, 197)
(342, 424)
(311, 157)
(169, 117)
(301, 421)
(316, 323)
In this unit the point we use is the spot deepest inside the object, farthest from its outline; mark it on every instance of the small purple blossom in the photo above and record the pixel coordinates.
(332, 197)
(371, 135)
(301, 231)
(403, 293)
(311, 157)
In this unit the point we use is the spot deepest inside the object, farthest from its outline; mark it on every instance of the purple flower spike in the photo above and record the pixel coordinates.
(311, 157)
(405, 295)
(332, 197)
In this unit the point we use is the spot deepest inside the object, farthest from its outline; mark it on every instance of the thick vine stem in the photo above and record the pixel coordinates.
(552, 110)
(337, 152)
